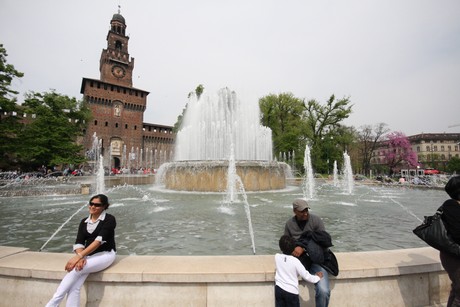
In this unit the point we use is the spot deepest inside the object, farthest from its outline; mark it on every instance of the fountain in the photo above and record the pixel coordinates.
(348, 180)
(335, 175)
(211, 125)
(235, 186)
(157, 221)
(99, 166)
(153, 221)
(309, 179)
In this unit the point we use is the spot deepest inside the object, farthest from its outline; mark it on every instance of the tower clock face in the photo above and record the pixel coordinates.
(118, 71)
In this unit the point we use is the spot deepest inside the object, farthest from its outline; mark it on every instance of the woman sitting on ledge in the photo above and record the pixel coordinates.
(94, 251)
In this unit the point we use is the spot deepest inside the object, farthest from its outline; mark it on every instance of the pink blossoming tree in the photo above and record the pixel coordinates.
(398, 153)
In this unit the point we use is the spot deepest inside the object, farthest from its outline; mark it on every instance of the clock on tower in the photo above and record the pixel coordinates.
(118, 71)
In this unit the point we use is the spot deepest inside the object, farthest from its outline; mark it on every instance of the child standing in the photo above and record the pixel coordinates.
(288, 270)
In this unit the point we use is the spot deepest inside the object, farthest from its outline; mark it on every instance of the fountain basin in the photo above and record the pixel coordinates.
(211, 176)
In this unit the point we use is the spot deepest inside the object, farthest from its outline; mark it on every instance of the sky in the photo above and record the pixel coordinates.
(397, 61)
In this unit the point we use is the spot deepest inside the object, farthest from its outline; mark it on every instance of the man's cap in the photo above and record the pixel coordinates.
(300, 205)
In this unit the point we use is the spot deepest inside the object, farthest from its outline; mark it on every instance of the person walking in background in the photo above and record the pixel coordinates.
(288, 270)
(451, 219)
(94, 251)
(303, 221)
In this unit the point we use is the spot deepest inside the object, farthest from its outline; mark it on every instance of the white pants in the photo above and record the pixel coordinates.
(72, 282)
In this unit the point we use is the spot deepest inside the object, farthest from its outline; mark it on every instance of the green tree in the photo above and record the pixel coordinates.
(284, 115)
(295, 124)
(369, 138)
(331, 147)
(323, 121)
(51, 137)
(9, 120)
(453, 166)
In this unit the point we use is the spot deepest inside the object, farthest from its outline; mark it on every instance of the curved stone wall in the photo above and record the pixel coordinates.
(211, 176)
(408, 277)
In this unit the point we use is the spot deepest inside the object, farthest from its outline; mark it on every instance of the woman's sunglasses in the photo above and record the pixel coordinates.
(97, 205)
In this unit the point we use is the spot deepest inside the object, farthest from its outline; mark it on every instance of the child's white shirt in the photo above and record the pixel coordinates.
(288, 270)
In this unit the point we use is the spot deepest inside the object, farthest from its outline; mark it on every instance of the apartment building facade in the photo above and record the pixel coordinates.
(433, 150)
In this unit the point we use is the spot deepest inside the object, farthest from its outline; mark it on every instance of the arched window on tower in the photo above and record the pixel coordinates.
(118, 45)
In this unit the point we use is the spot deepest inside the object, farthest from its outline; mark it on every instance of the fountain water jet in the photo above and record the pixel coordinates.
(235, 186)
(96, 154)
(335, 175)
(348, 180)
(100, 182)
(309, 180)
(210, 126)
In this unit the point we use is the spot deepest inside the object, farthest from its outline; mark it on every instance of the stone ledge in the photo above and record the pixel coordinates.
(24, 263)
(410, 277)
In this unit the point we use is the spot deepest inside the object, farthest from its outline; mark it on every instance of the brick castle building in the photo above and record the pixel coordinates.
(118, 110)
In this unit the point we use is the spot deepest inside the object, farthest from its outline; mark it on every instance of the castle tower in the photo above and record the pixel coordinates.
(115, 65)
(117, 107)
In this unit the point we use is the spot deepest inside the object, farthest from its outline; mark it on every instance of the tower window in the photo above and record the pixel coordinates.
(126, 126)
(95, 123)
(118, 45)
(106, 124)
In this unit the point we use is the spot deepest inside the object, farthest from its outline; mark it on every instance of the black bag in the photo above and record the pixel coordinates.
(331, 264)
(434, 233)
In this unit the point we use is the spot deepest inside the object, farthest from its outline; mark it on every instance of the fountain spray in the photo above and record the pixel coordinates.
(60, 227)
(309, 183)
(347, 174)
(235, 185)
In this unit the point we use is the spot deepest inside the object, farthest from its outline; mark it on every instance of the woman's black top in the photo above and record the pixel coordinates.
(105, 229)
